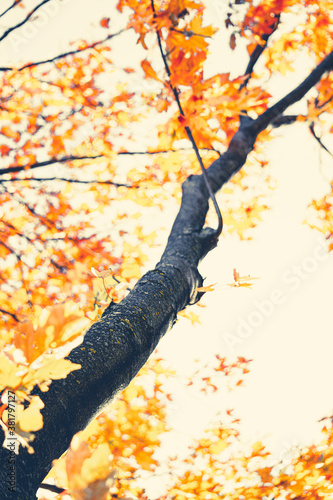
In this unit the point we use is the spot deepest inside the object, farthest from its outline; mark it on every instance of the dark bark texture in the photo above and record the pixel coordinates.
(118, 345)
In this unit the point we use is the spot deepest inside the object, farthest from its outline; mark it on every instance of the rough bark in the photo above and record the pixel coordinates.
(118, 345)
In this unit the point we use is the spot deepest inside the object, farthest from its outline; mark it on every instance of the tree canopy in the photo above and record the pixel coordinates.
(83, 304)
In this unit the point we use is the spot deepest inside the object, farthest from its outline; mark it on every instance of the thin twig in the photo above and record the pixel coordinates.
(258, 50)
(165, 151)
(65, 54)
(47, 162)
(312, 130)
(189, 132)
(52, 487)
(26, 19)
(45, 179)
(10, 314)
(9, 8)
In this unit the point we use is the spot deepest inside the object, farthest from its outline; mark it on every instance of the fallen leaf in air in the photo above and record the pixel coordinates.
(208, 288)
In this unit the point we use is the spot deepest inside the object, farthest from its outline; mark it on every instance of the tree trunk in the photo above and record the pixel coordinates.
(117, 346)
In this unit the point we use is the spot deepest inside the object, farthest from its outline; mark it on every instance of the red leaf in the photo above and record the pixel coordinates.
(105, 22)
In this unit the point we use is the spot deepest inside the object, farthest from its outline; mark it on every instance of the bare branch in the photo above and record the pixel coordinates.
(25, 20)
(312, 130)
(52, 487)
(46, 179)
(47, 162)
(10, 314)
(165, 151)
(9, 8)
(295, 95)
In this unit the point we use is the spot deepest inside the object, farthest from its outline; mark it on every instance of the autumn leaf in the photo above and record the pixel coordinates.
(8, 372)
(101, 274)
(208, 288)
(242, 281)
(232, 41)
(105, 22)
(194, 318)
(218, 447)
(4, 150)
(31, 419)
(148, 70)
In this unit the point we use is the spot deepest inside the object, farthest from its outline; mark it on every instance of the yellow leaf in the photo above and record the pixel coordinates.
(31, 418)
(101, 274)
(194, 318)
(52, 369)
(216, 448)
(8, 373)
(89, 472)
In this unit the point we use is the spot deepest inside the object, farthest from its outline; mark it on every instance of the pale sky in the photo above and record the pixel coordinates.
(286, 317)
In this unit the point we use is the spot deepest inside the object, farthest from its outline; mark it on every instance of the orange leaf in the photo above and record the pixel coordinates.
(105, 22)
(208, 288)
(149, 72)
(251, 47)
(8, 132)
(4, 150)
(244, 281)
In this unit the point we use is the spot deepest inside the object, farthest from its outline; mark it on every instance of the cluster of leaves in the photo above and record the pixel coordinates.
(215, 472)
(324, 219)
(35, 356)
(109, 455)
(112, 456)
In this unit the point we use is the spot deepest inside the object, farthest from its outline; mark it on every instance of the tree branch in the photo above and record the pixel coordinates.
(25, 20)
(10, 314)
(262, 122)
(45, 179)
(20, 168)
(259, 49)
(52, 487)
(313, 132)
(164, 151)
(65, 54)
(281, 120)
(189, 132)
(9, 8)
(116, 346)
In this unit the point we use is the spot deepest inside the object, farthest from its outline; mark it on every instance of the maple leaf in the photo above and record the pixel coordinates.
(149, 72)
(244, 281)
